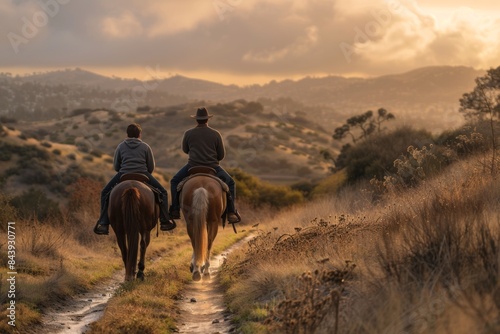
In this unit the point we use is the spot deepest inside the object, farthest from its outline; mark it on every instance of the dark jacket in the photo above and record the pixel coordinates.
(204, 146)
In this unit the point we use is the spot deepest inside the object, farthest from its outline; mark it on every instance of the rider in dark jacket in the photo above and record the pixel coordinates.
(204, 147)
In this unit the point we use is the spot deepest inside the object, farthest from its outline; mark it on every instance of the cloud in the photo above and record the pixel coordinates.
(249, 37)
(300, 46)
(124, 26)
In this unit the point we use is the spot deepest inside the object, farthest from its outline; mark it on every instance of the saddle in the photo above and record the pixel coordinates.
(208, 172)
(135, 177)
(202, 171)
(144, 179)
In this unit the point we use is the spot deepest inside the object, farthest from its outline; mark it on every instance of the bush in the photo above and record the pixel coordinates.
(96, 153)
(257, 192)
(374, 157)
(331, 185)
(35, 203)
(94, 120)
(7, 211)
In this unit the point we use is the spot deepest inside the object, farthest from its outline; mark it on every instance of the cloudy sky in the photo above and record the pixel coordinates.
(247, 41)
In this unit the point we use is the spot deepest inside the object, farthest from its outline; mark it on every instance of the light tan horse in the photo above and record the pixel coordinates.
(132, 212)
(203, 202)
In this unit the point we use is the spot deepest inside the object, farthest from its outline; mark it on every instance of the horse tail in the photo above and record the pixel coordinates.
(200, 233)
(131, 220)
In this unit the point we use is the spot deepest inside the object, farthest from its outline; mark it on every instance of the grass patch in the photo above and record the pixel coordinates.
(420, 259)
(52, 265)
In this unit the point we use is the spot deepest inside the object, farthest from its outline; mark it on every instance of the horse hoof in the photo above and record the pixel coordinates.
(140, 275)
(196, 276)
(206, 275)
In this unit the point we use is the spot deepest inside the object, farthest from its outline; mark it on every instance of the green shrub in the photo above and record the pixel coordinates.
(330, 185)
(7, 211)
(70, 140)
(257, 192)
(5, 155)
(34, 202)
(374, 157)
(94, 120)
(96, 153)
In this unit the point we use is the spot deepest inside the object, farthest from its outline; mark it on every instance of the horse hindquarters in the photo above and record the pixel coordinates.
(200, 233)
(131, 218)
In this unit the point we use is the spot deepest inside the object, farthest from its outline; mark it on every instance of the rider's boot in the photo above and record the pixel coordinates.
(102, 225)
(233, 216)
(166, 223)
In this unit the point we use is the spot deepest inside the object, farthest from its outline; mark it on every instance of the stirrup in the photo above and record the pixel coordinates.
(168, 226)
(101, 229)
(236, 214)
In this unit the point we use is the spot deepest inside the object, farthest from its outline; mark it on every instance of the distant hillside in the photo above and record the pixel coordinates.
(79, 77)
(258, 140)
(425, 97)
(424, 85)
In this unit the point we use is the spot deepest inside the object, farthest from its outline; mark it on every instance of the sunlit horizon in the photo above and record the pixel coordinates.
(148, 73)
(248, 42)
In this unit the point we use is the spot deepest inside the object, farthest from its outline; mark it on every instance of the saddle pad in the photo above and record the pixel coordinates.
(222, 183)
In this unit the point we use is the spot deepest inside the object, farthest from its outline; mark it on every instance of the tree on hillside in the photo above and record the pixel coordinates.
(364, 122)
(484, 102)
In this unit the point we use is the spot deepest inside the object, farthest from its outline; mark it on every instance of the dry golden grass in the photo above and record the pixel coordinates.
(52, 265)
(426, 260)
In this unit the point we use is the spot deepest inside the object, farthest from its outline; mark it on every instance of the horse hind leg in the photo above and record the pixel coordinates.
(120, 239)
(145, 239)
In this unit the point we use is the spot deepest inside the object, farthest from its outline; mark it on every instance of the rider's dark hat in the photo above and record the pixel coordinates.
(202, 114)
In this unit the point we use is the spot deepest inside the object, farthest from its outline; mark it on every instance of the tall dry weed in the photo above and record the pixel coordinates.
(41, 239)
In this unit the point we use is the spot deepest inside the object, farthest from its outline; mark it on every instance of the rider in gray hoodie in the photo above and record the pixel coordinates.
(133, 156)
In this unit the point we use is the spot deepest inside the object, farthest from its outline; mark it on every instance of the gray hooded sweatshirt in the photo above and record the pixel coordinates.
(134, 156)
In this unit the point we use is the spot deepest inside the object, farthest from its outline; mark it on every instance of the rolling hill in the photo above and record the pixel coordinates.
(425, 97)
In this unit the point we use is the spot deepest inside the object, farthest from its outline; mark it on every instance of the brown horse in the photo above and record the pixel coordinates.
(132, 212)
(203, 203)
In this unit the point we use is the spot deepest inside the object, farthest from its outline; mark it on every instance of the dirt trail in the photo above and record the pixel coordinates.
(75, 316)
(202, 306)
